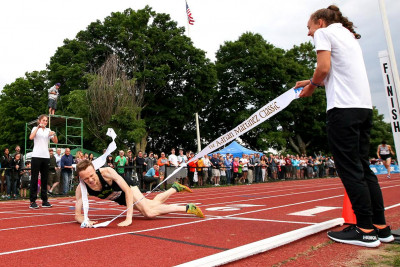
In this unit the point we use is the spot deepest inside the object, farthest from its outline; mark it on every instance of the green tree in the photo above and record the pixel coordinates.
(20, 102)
(303, 122)
(251, 72)
(173, 78)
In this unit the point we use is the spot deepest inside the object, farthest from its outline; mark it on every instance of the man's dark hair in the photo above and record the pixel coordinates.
(83, 165)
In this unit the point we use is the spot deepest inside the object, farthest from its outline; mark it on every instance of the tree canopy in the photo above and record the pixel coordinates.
(20, 102)
(251, 72)
(164, 80)
(172, 78)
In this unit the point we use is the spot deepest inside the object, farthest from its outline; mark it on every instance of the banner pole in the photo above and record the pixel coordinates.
(389, 42)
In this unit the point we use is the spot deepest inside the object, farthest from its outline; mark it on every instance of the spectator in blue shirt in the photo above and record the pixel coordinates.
(152, 175)
(228, 165)
(66, 169)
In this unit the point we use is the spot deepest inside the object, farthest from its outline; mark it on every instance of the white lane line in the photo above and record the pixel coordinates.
(262, 245)
(283, 206)
(261, 188)
(313, 211)
(176, 225)
(102, 237)
(258, 220)
(283, 195)
(293, 204)
(237, 192)
(393, 206)
(49, 224)
(267, 197)
(21, 217)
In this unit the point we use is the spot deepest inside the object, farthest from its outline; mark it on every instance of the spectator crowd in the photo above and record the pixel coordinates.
(149, 169)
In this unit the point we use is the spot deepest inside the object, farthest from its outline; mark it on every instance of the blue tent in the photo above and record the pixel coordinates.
(236, 149)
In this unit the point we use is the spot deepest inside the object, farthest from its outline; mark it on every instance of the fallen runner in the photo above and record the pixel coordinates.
(106, 183)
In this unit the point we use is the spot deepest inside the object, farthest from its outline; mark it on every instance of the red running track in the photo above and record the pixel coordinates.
(235, 216)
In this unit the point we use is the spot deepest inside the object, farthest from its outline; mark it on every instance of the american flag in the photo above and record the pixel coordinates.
(189, 15)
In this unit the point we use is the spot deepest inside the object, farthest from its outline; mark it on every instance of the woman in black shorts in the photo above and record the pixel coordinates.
(384, 153)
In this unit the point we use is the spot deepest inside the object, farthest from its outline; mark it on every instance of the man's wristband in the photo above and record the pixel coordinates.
(315, 84)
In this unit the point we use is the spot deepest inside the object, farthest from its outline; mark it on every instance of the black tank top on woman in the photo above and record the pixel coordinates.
(109, 192)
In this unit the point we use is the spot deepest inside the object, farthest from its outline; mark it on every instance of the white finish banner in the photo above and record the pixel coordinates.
(261, 115)
(97, 163)
(392, 98)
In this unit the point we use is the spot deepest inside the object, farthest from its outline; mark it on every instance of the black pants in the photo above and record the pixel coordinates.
(139, 172)
(257, 174)
(150, 179)
(348, 136)
(191, 176)
(39, 165)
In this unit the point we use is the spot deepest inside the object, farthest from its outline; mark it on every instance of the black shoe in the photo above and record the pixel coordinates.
(46, 205)
(354, 236)
(33, 205)
(385, 234)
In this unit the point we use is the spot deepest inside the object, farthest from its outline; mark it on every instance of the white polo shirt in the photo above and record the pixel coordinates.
(173, 159)
(347, 82)
(41, 143)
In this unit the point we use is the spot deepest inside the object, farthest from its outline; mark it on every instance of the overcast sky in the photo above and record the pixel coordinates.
(31, 30)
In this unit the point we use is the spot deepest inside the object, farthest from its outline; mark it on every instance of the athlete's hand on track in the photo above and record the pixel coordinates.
(125, 223)
(90, 224)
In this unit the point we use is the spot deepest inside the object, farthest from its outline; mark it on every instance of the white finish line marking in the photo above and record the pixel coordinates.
(262, 245)
(233, 207)
(312, 212)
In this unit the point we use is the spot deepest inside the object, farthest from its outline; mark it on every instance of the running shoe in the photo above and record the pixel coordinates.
(385, 234)
(180, 187)
(46, 205)
(388, 176)
(192, 209)
(33, 205)
(354, 236)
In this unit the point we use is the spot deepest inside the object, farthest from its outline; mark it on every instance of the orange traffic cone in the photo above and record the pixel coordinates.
(347, 212)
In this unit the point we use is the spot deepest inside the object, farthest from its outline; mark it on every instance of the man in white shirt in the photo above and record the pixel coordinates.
(173, 164)
(53, 95)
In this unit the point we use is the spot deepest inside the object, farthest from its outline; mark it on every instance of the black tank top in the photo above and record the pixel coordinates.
(109, 192)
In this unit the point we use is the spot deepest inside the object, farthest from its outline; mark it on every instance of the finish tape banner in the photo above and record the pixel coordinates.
(97, 163)
(261, 115)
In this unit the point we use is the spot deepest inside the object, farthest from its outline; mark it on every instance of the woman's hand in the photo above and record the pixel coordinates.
(303, 83)
(307, 91)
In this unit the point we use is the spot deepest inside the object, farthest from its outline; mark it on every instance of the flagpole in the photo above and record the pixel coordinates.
(389, 42)
(187, 21)
(198, 133)
(196, 114)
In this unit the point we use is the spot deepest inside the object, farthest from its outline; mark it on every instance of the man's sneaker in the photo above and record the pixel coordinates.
(46, 205)
(192, 209)
(180, 187)
(354, 236)
(33, 205)
(385, 234)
